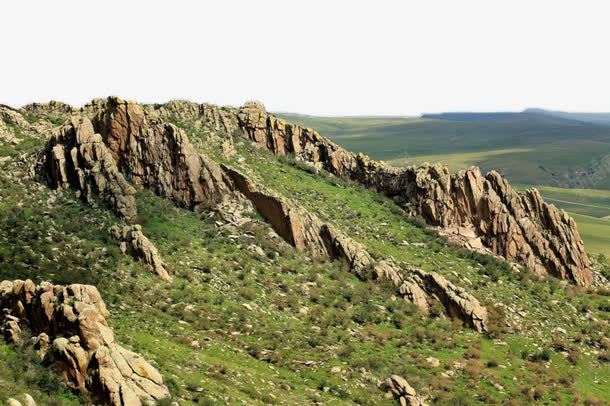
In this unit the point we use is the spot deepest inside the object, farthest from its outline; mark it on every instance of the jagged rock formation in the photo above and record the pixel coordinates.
(77, 157)
(402, 391)
(458, 303)
(71, 333)
(221, 118)
(520, 226)
(159, 156)
(10, 117)
(12, 121)
(135, 243)
(54, 110)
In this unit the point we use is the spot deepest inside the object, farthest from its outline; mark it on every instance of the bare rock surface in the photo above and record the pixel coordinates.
(519, 226)
(159, 156)
(133, 242)
(71, 333)
(77, 157)
(153, 154)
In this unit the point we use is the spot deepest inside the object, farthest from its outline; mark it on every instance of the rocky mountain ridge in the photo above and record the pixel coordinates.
(118, 152)
(159, 156)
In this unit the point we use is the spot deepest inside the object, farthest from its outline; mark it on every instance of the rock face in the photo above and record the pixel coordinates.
(71, 333)
(457, 302)
(76, 157)
(519, 226)
(402, 391)
(132, 241)
(159, 156)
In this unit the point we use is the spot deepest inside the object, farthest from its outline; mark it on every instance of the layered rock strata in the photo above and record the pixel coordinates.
(519, 226)
(71, 333)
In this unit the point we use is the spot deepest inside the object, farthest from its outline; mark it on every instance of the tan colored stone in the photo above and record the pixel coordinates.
(134, 242)
(82, 344)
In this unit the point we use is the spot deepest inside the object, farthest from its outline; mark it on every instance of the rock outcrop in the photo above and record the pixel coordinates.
(458, 303)
(402, 391)
(159, 156)
(133, 242)
(307, 233)
(71, 333)
(76, 157)
(9, 119)
(519, 226)
(133, 145)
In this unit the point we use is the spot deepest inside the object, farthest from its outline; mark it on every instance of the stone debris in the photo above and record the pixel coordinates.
(70, 331)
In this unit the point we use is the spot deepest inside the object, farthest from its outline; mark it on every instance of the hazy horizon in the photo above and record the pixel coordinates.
(317, 58)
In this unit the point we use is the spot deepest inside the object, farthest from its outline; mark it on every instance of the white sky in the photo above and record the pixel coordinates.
(316, 57)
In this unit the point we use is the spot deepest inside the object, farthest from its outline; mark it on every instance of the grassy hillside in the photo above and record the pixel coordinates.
(526, 147)
(241, 326)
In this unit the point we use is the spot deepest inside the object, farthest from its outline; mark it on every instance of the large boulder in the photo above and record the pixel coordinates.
(71, 333)
(133, 241)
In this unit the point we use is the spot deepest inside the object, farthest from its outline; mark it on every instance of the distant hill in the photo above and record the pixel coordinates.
(596, 118)
(530, 147)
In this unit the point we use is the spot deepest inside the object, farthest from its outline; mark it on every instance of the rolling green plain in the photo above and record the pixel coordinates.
(563, 158)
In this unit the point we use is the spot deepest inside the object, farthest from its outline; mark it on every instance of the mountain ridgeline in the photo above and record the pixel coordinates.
(215, 163)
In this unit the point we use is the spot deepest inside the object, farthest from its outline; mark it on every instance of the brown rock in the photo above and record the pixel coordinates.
(402, 391)
(76, 157)
(159, 156)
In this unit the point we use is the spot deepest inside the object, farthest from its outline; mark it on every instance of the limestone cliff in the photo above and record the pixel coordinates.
(70, 331)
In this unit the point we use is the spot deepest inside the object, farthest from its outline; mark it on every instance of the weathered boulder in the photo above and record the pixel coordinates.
(132, 241)
(402, 391)
(76, 157)
(519, 226)
(73, 336)
(457, 302)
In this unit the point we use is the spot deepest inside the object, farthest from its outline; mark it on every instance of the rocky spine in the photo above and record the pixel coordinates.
(519, 226)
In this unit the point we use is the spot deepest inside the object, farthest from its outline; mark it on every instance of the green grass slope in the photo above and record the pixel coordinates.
(238, 327)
